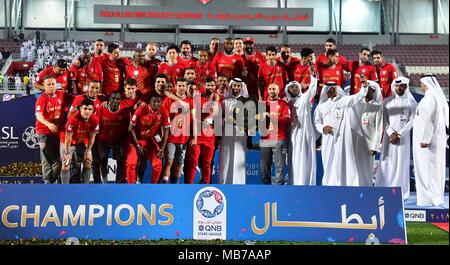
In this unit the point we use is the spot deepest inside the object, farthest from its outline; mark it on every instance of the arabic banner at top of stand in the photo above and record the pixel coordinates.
(228, 212)
(203, 15)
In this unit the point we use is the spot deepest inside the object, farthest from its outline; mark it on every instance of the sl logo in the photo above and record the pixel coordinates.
(205, 2)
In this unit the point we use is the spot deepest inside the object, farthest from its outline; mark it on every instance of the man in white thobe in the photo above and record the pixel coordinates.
(302, 141)
(398, 115)
(336, 119)
(233, 148)
(369, 112)
(429, 143)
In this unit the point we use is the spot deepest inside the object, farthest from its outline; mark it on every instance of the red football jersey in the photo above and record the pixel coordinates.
(61, 80)
(202, 71)
(187, 62)
(52, 108)
(180, 120)
(290, 66)
(230, 66)
(112, 73)
(113, 125)
(278, 128)
(252, 63)
(78, 99)
(80, 129)
(145, 77)
(333, 75)
(322, 61)
(386, 73)
(301, 73)
(368, 70)
(148, 122)
(273, 74)
(84, 75)
(171, 71)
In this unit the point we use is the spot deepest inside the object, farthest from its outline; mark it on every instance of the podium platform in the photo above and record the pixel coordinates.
(429, 214)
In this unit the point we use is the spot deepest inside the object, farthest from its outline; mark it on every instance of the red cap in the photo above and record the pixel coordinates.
(249, 39)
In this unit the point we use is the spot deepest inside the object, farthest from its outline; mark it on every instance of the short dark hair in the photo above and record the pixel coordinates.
(374, 52)
(112, 47)
(95, 81)
(239, 38)
(331, 52)
(229, 38)
(364, 49)
(304, 52)
(188, 68)
(185, 42)
(331, 40)
(161, 76)
(209, 79)
(86, 102)
(138, 50)
(61, 63)
(100, 40)
(191, 83)
(181, 79)
(155, 95)
(285, 45)
(271, 48)
(130, 82)
(172, 46)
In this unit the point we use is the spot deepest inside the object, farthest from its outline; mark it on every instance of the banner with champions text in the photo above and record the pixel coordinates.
(227, 212)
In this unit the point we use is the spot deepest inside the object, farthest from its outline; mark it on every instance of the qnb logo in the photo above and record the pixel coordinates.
(210, 203)
(30, 138)
(372, 240)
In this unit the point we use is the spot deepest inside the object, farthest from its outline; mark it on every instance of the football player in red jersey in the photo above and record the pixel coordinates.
(322, 59)
(152, 50)
(203, 68)
(386, 73)
(302, 71)
(213, 48)
(252, 59)
(361, 67)
(272, 71)
(238, 46)
(49, 118)
(289, 61)
(143, 73)
(149, 129)
(227, 62)
(181, 119)
(92, 94)
(333, 72)
(113, 67)
(172, 68)
(59, 72)
(273, 141)
(99, 47)
(208, 103)
(186, 58)
(81, 127)
(83, 71)
(114, 119)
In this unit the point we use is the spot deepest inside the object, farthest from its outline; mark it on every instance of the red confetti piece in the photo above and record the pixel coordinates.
(393, 191)
(177, 233)
(351, 239)
(63, 232)
(243, 230)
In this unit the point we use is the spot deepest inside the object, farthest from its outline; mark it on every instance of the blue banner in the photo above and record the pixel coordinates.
(231, 212)
(18, 140)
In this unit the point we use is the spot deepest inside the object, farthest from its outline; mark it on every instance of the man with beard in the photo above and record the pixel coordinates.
(203, 68)
(289, 61)
(272, 71)
(152, 50)
(233, 148)
(359, 68)
(149, 129)
(302, 70)
(185, 58)
(273, 139)
(370, 116)
(398, 115)
(83, 71)
(114, 119)
(227, 62)
(213, 48)
(386, 73)
(322, 59)
(144, 73)
(252, 59)
(113, 67)
(334, 117)
(203, 151)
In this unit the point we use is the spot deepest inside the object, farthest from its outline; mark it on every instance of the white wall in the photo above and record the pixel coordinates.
(358, 16)
(2, 13)
(321, 13)
(416, 16)
(47, 14)
(85, 14)
(444, 5)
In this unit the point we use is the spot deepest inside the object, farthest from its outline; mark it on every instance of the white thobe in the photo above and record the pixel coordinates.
(398, 116)
(338, 156)
(429, 163)
(302, 142)
(233, 149)
(370, 114)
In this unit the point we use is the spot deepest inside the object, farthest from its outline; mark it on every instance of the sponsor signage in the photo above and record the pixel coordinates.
(203, 15)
